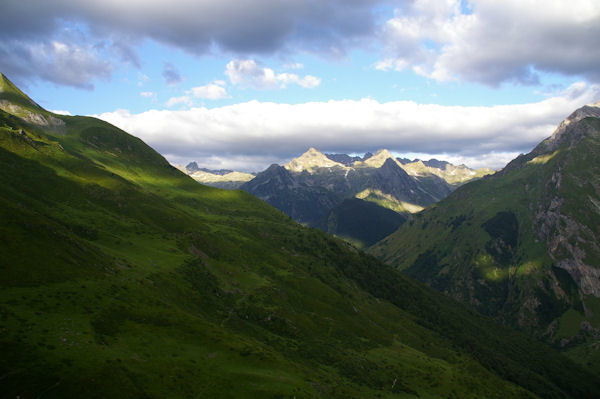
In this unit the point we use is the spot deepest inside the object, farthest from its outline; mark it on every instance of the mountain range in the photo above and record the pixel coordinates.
(220, 178)
(521, 245)
(313, 161)
(123, 277)
(311, 186)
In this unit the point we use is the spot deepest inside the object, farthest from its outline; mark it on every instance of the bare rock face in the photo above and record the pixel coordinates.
(34, 118)
(569, 131)
(564, 238)
(571, 240)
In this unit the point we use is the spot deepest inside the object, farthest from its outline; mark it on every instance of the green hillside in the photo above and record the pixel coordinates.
(521, 245)
(122, 277)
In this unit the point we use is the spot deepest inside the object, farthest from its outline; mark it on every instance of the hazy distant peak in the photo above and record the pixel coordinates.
(310, 160)
(452, 174)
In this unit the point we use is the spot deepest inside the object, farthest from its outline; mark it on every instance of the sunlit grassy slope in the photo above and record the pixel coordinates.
(122, 277)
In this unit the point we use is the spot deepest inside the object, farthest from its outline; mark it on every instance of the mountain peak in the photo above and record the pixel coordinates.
(567, 131)
(17, 103)
(588, 110)
(310, 160)
(377, 160)
(11, 94)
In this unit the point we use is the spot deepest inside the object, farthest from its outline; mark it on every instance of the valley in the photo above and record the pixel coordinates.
(121, 276)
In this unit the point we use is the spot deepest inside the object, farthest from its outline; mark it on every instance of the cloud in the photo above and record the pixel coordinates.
(308, 81)
(482, 136)
(211, 91)
(60, 112)
(241, 27)
(247, 73)
(173, 101)
(485, 41)
(171, 75)
(494, 41)
(57, 61)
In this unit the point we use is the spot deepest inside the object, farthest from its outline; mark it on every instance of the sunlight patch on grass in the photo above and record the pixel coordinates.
(543, 159)
(528, 268)
(388, 201)
(489, 268)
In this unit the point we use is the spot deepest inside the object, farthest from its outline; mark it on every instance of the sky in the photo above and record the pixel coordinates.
(242, 84)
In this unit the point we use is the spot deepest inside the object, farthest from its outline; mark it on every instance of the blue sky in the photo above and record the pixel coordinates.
(244, 83)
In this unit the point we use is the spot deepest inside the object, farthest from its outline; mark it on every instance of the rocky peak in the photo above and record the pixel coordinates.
(311, 160)
(569, 132)
(377, 160)
(192, 167)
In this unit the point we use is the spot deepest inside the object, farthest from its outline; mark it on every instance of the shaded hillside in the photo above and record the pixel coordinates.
(363, 223)
(122, 277)
(302, 202)
(522, 245)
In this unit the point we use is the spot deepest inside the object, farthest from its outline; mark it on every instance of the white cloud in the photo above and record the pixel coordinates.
(60, 112)
(481, 136)
(148, 94)
(496, 41)
(308, 81)
(173, 101)
(248, 73)
(211, 91)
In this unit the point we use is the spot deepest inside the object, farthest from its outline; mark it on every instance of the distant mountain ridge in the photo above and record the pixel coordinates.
(220, 178)
(313, 159)
(309, 187)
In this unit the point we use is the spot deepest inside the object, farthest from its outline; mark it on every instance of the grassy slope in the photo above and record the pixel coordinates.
(450, 246)
(121, 277)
